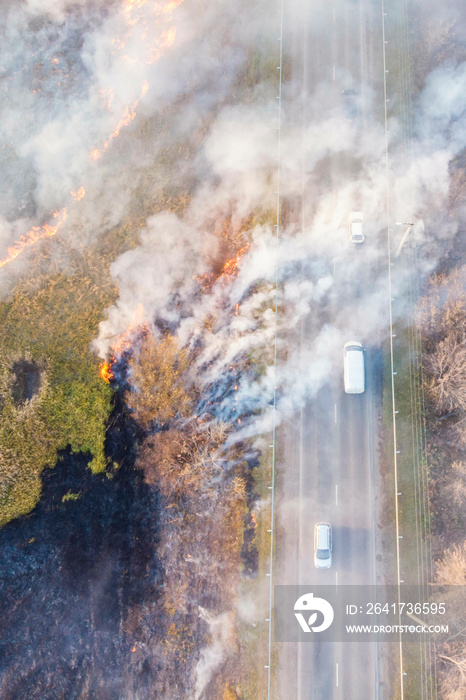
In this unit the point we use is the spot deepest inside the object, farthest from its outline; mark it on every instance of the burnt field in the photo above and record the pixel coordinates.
(89, 607)
(71, 572)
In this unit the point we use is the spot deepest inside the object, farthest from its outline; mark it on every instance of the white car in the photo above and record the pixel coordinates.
(323, 546)
(355, 227)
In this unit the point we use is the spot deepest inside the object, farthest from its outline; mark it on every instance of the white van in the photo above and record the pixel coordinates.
(353, 362)
(323, 546)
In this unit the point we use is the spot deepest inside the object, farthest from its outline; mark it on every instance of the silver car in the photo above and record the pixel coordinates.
(323, 546)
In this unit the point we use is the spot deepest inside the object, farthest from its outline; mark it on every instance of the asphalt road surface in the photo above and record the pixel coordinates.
(327, 459)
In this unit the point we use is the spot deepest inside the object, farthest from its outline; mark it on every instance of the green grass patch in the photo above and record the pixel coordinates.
(71, 496)
(410, 460)
(50, 324)
(411, 517)
(254, 638)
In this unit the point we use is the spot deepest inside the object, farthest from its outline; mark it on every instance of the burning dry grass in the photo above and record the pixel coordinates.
(53, 315)
(158, 371)
(35, 234)
(50, 317)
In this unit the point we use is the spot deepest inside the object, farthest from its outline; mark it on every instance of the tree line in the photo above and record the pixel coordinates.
(441, 319)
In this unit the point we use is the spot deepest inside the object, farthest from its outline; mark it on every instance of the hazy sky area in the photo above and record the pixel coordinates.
(74, 73)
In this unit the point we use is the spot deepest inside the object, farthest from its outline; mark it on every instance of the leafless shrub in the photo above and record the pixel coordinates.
(453, 673)
(442, 309)
(180, 461)
(455, 490)
(451, 568)
(441, 318)
(446, 374)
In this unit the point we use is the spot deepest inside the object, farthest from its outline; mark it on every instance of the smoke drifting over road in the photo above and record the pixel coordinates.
(240, 149)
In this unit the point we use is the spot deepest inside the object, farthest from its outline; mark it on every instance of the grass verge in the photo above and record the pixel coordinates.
(412, 514)
(254, 596)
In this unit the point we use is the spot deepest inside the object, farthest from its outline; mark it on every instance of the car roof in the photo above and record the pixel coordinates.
(323, 533)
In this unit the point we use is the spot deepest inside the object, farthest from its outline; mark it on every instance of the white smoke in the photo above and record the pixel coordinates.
(77, 78)
(239, 149)
(221, 630)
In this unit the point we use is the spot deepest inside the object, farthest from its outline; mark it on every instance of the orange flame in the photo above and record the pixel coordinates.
(124, 342)
(168, 37)
(165, 40)
(171, 6)
(78, 194)
(206, 280)
(36, 233)
(133, 3)
(105, 371)
(231, 266)
(128, 116)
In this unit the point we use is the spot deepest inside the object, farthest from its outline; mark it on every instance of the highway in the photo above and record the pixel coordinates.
(327, 458)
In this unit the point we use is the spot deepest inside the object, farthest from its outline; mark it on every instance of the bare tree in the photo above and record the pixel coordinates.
(446, 369)
(455, 490)
(180, 462)
(442, 309)
(441, 318)
(451, 569)
(453, 673)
